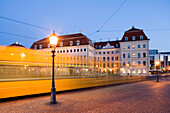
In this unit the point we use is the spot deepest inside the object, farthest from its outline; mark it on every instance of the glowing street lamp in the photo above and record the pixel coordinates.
(157, 63)
(53, 42)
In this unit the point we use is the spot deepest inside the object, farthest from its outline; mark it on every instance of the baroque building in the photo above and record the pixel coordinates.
(76, 54)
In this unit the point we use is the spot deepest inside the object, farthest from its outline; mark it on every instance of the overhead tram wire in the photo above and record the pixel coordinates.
(17, 21)
(111, 16)
(7, 33)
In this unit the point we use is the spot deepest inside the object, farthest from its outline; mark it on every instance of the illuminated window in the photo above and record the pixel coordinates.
(61, 44)
(123, 47)
(124, 64)
(133, 63)
(48, 45)
(133, 46)
(133, 55)
(71, 43)
(35, 46)
(78, 42)
(138, 63)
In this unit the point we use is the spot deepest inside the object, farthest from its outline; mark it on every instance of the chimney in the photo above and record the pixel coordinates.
(80, 31)
(108, 39)
(100, 40)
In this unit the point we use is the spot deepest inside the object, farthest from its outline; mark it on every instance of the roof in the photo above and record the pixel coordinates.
(103, 44)
(134, 32)
(16, 44)
(65, 39)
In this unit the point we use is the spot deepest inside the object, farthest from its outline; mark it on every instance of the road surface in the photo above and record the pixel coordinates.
(140, 97)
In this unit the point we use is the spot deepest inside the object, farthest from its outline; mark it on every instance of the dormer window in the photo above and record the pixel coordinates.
(100, 46)
(126, 38)
(116, 45)
(78, 42)
(71, 43)
(61, 44)
(89, 42)
(133, 37)
(141, 37)
(35, 46)
(40, 46)
(96, 47)
(48, 45)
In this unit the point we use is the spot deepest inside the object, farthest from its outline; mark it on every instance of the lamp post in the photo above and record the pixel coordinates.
(126, 68)
(53, 42)
(157, 63)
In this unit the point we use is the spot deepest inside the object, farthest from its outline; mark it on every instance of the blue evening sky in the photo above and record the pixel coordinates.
(86, 15)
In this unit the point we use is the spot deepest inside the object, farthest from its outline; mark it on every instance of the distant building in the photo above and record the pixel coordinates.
(128, 56)
(163, 57)
(16, 44)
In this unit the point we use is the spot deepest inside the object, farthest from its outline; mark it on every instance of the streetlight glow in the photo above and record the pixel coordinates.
(53, 39)
(157, 63)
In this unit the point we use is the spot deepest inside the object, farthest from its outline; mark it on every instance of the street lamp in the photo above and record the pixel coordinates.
(157, 63)
(53, 42)
(126, 68)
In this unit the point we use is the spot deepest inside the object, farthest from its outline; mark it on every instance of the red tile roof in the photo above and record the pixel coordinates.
(134, 32)
(112, 43)
(65, 39)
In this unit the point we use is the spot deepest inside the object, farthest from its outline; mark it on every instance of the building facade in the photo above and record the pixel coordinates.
(78, 55)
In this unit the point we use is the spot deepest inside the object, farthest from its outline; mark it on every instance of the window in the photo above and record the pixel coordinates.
(116, 45)
(61, 44)
(138, 63)
(112, 52)
(99, 52)
(124, 55)
(40, 46)
(78, 42)
(128, 55)
(48, 45)
(74, 50)
(144, 45)
(128, 46)
(126, 38)
(144, 63)
(123, 47)
(124, 64)
(103, 52)
(108, 58)
(117, 51)
(129, 63)
(60, 51)
(138, 55)
(103, 58)
(35, 46)
(63, 51)
(141, 37)
(67, 51)
(133, 46)
(112, 65)
(81, 50)
(144, 54)
(100, 46)
(71, 43)
(96, 47)
(108, 65)
(133, 55)
(133, 37)
(104, 65)
(112, 58)
(116, 58)
(77, 50)
(133, 63)
(84, 49)
(108, 52)
(138, 45)
(70, 50)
